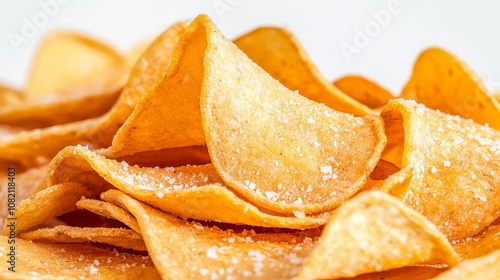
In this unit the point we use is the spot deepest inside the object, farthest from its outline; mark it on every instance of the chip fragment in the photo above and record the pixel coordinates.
(375, 232)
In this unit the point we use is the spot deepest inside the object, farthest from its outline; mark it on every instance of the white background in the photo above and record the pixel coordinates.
(467, 28)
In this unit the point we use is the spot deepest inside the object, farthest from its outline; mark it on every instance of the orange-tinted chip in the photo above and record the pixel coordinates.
(35, 260)
(442, 81)
(455, 165)
(72, 64)
(364, 91)
(481, 244)
(190, 191)
(375, 232)
(184, 250)
(279, 53)
(124, 238)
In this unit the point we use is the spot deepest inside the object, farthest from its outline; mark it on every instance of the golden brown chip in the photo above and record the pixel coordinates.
(124, 238)
(279, 53)
(481, 244)
(183, 250)
(375, 232)
(442, 81)
(484, 268)
(191, 191)
(273, 141)
(25, 147)
(364, 91)
(455, 163)
(73, 64)
(73, 261)
(109, 211)
(46, 204)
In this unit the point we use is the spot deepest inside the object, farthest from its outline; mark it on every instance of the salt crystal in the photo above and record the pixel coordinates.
(212, 253)
(326, 169)
(434, 169)
(447, 163)
(310, 120)
(299, 214)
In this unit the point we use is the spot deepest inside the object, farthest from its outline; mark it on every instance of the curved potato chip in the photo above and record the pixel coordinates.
(189, 191)
(481, 244)
(364, 91)
(46, 204)
(124, 238)
(279, 53)
(182, 250)
(45, 113)
(109, 211)
(455, 163)
(28, 145)
(442, 81)
(484, 268)
(74, 261)
(73, 64)
(274, 141)
(375, 232)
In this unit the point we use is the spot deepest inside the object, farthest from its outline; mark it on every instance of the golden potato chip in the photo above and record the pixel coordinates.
(137, 51)
(273, 141)
(50, 112)
(455, 163)
(46, 204)
(73, 64)
(27, 146)
(279, 53)
(73, 261)
(124, 238)
(481, 244)
(442, 81)
(364, 91)
(484, 268)
(184, 250)
(375, 232)
(189, 191)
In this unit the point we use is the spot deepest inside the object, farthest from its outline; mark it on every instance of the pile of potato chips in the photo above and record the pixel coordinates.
(197, 157)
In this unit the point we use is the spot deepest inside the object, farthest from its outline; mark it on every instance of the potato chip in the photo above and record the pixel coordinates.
(442, 81)
(364, 91)
(375, 232)
(484, 268)
(26, 147)
(109, 211)
(46, 204)
(124, 238)
(455, 163)
(189, 191)
(184, 250)
(279, 53)
(481, 244)
(275, 141)
(73, 64)
(73, 261)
